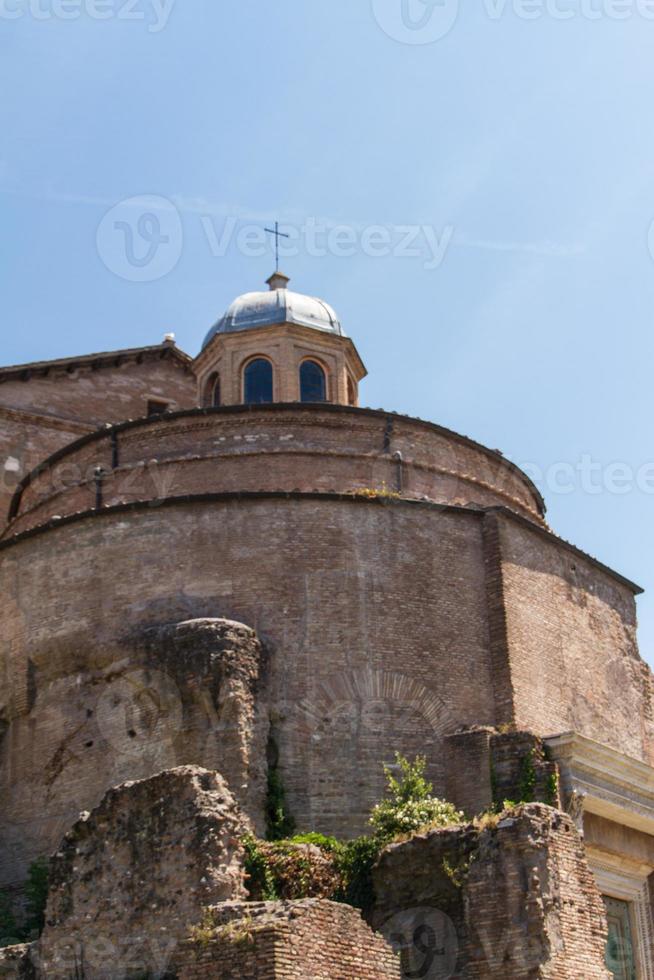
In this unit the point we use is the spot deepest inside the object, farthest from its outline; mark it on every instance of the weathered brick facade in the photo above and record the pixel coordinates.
(131, 879)
(178, 694)
(375, 614)
(519, 900)
(485, 768)
(312, 939)
(46, 406)
(313, 587)
(310, 448)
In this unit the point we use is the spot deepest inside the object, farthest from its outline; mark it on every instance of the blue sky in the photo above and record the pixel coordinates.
(470, 187)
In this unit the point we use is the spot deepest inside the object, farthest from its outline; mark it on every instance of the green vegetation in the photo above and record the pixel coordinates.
(260, 876)
(373, 493)
(8, 925)
(279, 823)
(457, 873)
(282, 867)
(527, 788)
(552, 789)
(355, 863)
(36, 894)
(329, 844)
(409, 805)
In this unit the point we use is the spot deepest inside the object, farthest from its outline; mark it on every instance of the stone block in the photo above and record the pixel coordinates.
(133, 877)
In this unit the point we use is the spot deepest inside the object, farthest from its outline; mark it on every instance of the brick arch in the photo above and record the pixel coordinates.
(251, 359)
(330, 393)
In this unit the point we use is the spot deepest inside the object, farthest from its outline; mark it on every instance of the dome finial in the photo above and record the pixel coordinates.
(278, 280)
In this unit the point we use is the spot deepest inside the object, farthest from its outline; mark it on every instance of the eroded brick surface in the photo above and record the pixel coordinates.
(132, 877)
(371, 652)
(571, 638)
(312, 939)
(520, 897)
(92, 711)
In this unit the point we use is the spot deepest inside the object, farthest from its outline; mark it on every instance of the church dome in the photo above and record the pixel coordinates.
(279, 305)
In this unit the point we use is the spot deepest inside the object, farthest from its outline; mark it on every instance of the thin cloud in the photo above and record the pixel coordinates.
(203, 207)
(534, 248)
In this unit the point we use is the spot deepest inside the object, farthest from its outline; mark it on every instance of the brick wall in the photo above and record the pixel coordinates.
(281, 448)
(485, 768)
(374, 617)
(511, 902)
(289, 941)
(377, 620)
(26, 439)
(106, 712)
(104, 391)
(571, 640)
(44, 409)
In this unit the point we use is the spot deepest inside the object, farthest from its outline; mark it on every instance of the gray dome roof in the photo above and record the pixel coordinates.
(279, 305)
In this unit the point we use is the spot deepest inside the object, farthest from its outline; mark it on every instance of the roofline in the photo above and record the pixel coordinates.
(106, 431)
(226, 496)
(32, 417)
(100, 360)
(311, 332)
(553, 537)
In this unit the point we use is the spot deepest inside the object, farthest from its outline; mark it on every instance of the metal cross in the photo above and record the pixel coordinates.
(278, 234)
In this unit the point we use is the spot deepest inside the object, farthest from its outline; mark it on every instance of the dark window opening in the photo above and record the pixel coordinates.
(620, 952)
(313, 384)
(212, 392)
(258, 382)
(157, 408)
(351, 392)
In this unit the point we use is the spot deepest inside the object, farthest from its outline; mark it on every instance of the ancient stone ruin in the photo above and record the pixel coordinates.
(153, 883)
(131, 878)
(231, 599)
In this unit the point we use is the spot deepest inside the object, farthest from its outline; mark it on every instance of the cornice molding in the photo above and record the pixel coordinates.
(74, 426)
(616, 786)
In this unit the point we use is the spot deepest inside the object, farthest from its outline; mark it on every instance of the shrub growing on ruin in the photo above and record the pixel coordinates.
(409, 805)
(313, 865)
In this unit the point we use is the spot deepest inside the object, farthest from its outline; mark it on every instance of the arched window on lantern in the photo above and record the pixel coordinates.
(351, 391)
(212, 391)
(313, 383)
(258, 382)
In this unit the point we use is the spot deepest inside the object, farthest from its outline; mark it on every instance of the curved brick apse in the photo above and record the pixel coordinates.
(285, 447)
(285, 589)
(389, 625)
